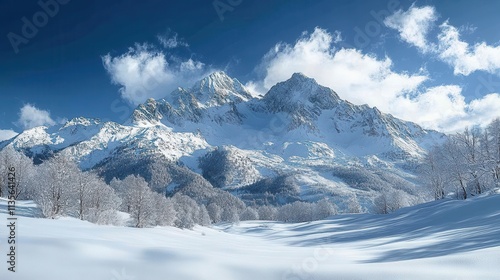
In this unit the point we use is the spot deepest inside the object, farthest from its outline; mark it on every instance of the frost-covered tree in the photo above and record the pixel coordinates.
(391, 200)
(324, 209)
(102, 203)
(139, 201)
(491, 151)
(203, 217)
(6, 161)
(230, 214)
(456, 170)
(54, 189)
(189, 213)
(297, 211)
(433, 172)
(24, 170)
(267, 212)
(468, 143)
(215, 212)
(249, 214)
(353, 205)
(468, 162)
(83, 192)
(165, 212)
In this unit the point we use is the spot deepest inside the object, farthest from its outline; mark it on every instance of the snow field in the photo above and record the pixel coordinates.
(438, 240)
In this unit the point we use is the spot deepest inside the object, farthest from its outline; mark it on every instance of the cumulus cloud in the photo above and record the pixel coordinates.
(30, 116)
(413, 25)
(357, 77)
(6, 134)
(463, 57)
(365, 79)
(144, 72)
(444, 108)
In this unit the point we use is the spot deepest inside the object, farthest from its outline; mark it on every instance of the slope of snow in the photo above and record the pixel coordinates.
(439, 240)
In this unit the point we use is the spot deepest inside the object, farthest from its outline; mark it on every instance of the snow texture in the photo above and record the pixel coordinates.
(439, 240)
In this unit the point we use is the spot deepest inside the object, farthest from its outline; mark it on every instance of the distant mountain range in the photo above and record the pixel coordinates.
(300, 135)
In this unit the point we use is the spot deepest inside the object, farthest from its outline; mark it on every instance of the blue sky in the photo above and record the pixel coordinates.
(436, 63)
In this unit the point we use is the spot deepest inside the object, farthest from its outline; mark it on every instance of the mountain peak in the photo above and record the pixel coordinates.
(300, 89)
(218, 75)
(216, 80)
(218, 89)
(82, 121)
(300, 76)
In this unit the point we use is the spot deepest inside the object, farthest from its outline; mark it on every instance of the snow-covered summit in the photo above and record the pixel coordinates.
(300, 92)
(218, 89)
(213, 97)
(299, 128)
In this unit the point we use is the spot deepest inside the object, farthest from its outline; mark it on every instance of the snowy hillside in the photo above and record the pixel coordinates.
(439, 240)
(299, 129)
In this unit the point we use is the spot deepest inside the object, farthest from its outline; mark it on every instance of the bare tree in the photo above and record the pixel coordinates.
(492, 150)
(249, 214)
(23, 165)
(433, 172)
(469, 152)
(390, 201)
(140, 201)
(102, 203)
(187, 211)
(165, 212)
(215, 212)
(353, 205)
(267, 212)
(54, 189)
(456, 171)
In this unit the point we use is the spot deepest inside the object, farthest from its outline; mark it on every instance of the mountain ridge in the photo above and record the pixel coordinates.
(299, 128)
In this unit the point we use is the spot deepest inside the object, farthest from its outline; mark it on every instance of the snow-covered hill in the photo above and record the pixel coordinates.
(438, 240)
(299, 129)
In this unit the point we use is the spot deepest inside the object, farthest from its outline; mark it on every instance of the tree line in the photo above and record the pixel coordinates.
(466, 164)
(60, 188)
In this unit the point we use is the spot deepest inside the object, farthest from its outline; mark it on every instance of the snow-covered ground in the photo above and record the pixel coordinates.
(439, 240)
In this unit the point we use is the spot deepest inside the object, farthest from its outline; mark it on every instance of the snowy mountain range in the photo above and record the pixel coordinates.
(299, 130)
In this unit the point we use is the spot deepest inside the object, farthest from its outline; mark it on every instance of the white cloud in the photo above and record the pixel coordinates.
(413, 25)
(30, 116)
(464, 58)
(483, 111)
(171, 42)
(357, 77)
(444, 108)
(191, 65)
(6, 134)
(144, 72)
(365, 79)
(337, 37)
